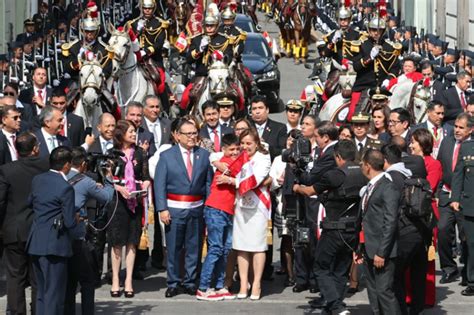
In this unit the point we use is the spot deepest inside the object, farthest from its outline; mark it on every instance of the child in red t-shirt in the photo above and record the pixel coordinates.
(218, 217)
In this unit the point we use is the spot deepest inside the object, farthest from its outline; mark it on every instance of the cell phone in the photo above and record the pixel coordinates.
(89, 131)
(137, 193)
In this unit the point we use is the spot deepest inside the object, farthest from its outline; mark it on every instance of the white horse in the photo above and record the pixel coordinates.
(217, 82)
(131, 84)
(91, 84)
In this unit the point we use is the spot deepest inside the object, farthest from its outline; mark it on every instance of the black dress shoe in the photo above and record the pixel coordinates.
(170, 292)
(353, 291)
(190, 291)
(137, 275)
(463, 282)
(318, 303)
(300, 288)
(449, 277)
(469, 291)
(158, 266)
(313, 289)
(289, 282)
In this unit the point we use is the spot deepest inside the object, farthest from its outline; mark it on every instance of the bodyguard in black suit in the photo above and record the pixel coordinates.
(159, 127)
(54, 223)
(448, 217)
(414, 163)
(212, 129)
(271, 132)
(51, 124)
(455, 98)
(145, 139)
(11, 122)
(73, 125)
(15, 187)
(380, 214)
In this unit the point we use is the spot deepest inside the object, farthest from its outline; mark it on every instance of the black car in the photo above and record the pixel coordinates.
(259, 59)
(245, 23)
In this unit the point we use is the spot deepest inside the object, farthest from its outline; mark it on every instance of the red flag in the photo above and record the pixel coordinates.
(246, 177)
(382, 5)
(181, 42)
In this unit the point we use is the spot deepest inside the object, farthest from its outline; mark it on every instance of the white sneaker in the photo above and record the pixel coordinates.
(225, 294)
(209, 295)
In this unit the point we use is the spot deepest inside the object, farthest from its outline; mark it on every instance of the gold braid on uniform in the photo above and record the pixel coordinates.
(211, 49)
(390, 57)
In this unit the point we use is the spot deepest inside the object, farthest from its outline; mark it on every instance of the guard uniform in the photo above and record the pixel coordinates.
(345, 48)
(463, 192)
(339, 190)
(370, 143)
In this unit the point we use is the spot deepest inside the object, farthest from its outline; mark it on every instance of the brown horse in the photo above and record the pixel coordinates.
(283, 12)
(301, 18)
(180, 11)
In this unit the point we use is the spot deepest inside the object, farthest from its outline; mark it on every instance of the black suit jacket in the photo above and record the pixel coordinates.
(144, 135)
(437, 90)
(204, 133)
(323, 163)
(26, 98)
(15, 187)
(380, 219)
(95, 147)
(76, 132)
(165, 126)
(5, 156)
(452, 102)
(275, 135)
(44, 153)
(445, 156)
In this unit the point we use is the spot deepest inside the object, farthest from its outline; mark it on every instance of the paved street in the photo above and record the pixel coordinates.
(276, 299)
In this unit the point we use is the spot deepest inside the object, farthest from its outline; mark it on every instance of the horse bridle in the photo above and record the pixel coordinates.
(94, 85)
(122, 61)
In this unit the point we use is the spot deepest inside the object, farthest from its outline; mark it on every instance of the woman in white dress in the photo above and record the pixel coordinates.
(252, 212)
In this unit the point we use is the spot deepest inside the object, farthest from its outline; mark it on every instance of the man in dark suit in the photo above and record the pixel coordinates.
(455, 98)
(399, 123)
(414, 163)
(145, 139)
(49, 135)
(73, 125)
(10, 92)
(212, 129)
(448, 217)
(11, 120)
(436, 86)
(270, 131)
(37, 96)
(15, 187)
(159, 127)
(54, 224)
(434, 124)
(184, 182)
(380, 213)
(463, 186)
(104, 141)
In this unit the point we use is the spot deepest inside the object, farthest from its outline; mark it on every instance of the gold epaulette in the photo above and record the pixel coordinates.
(355, 46)
(363, 36)
(66, 46)
(164, 23)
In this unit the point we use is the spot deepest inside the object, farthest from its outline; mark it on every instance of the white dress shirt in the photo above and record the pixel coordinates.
(51, 140)
(11, 144)
(43, 94)
(184, 154)
(211, 132)
(155, 129)
(260, 128)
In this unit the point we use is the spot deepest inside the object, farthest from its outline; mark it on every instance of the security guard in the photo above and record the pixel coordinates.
(82, 265)
(360, 128)
(151, 33)
(343, 44)
(376, 61)
(200, 53)
(29, 25)
(236, 35)
(462, 192)
(338, 190)
(74, 52)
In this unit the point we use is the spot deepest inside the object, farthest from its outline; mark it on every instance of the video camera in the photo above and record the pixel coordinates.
(299, 154)
(98, 164)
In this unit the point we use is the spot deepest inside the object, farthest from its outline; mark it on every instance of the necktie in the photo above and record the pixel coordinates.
(52, 143)
(226, 124)
(361, 146)
(435, 132)
(62, 132)
(105, 146)
(217, 145)
(463, 100)
(155, 134)
(260, 131)
(14, 148)
(40, 94)
(457, 146)
(189, 165)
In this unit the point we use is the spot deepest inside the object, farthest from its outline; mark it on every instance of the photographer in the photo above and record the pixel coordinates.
(302, 213)
(83, 265)
(338, 190)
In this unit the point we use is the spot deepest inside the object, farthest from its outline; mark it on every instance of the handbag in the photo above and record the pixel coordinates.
(143, 245)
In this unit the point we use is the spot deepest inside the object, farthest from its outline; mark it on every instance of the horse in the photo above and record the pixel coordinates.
(301, 21)
(283, 20)
(91, 84)
(180, 11)
(419, 97)
(131, 82)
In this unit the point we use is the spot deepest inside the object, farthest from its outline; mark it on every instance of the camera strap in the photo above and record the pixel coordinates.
(75, 179)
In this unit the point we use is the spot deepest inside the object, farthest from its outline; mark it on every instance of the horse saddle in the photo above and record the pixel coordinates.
(331, 83)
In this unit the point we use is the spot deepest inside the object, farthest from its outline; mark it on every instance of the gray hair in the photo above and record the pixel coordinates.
(468, 118)
(133, 104)
(461, 75)
(47, 114)
(151, 97)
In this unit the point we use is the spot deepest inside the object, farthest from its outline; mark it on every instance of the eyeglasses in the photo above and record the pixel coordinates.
(9, 94)
(189, 134)
(394, 122)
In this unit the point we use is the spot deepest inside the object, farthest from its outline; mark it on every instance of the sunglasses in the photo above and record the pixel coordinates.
(9, 94)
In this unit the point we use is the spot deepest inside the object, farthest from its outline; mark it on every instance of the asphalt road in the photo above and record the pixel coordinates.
(276, 299)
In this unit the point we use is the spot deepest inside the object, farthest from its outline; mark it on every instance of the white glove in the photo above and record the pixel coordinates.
(56, 82)
(14, 79)
(29, 63)
(385, 82)
(39, 57)
(204, 44)
(66, 76)
(26, 71)
(140, 25)
(22, 84)
(166, 45)
(142, 53)
(47, 59)
(337, 36)
(374, 52)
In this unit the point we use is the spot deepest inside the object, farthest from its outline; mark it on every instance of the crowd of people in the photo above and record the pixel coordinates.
(378, 195)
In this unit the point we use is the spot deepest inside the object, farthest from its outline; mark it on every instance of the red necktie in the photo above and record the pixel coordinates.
(217, 145)
(63, 129)
(40, 94)
(189, 165)
(463, 101)
(435, 131)
(14, 145)
(457, 146)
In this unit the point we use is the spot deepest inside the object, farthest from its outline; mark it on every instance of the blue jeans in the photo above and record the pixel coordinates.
(219, 239)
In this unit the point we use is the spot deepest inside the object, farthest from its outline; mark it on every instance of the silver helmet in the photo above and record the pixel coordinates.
(148, 4)
(90, 24)
(377, 23)
(228, 14)
(211, 20)
(344, 13)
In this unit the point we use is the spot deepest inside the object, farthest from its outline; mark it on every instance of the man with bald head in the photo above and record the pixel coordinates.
(106, 127)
